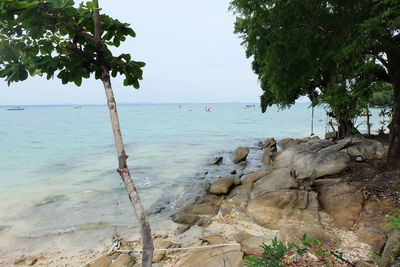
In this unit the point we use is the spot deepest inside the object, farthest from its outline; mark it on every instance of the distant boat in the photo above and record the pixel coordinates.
(15, 109)
(77, 107)
(250, 107)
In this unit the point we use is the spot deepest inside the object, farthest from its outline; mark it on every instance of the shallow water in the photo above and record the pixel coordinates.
(57, 164)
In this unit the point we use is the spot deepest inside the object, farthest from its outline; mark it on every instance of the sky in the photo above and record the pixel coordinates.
(191, 52)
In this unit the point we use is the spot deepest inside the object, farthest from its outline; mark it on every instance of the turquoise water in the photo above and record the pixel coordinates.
(57, 164)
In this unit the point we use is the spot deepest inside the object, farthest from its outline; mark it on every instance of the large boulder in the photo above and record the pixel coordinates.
(253, 244)
(367, 148)
(274, 209)
(222, 185)
(229, 256)
(290, 155)
(254, 176)
(341, 201)
(274, 181)
(325, 162)
(240, 154)
(290, 142)
(292, 233)
(391, 251)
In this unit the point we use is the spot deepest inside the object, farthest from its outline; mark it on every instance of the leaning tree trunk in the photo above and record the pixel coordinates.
(123, 170)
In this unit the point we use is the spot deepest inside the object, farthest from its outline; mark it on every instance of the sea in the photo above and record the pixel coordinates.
(58, 163)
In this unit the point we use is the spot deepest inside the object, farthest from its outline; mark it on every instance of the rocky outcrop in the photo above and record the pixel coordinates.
(274, 209)
(123, 260)
(222, 186)
(230, 256)
(193, 192)
(342, 202)
(391, 251)
(241, 194)
(252, 245)
(162, 244)
(216, 160)
(240, 154)
(254, 176)
(367, 148)
(274, 181)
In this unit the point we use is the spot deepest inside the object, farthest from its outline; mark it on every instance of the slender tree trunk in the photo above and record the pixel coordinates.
(123, 170)
(346, 128)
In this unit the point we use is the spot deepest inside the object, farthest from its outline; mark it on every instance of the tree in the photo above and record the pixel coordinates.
(53, 37)
(333, 51)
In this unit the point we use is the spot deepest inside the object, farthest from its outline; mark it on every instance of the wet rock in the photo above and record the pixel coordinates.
(266, 158)
(391, 250)
(232, 172)
(367, 148)
(290, 142)
(213, 257)
(274, 209)
(254, 176)
(342, 202)
(294, 232)
(216, 161)
(185, 218)
(213, 239)
(274, 181)
(4, 228)
(242, 164)
(221, 186)
(193, 192)
(269, 143)
(123, 260)
(240, 154)
(103, 261)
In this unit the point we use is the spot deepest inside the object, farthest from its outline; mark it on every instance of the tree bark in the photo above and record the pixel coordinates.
(346, 128)
(393, 158)
(123, 170)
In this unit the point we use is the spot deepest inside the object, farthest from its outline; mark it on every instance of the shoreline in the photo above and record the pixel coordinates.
(231, 217)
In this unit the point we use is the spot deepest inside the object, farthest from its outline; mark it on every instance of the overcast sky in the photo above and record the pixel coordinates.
(190, 50)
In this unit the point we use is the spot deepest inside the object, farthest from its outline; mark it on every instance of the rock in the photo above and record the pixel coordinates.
(371, 227)
(185, 218)
(253, 245)
(204, 221)
(325, 162)
(266, 158)
(274, 209)
(270, 142)
(294, 232)
(103, 261)
(241, 236)
(274, 181)
(5, 228)
(123, 260)
(290, 155)
(254, 176)
(290, 142)
(367, 148)
(221, 186)
(27, 260)
(364, 264)
(240, 154)
(198, 189)
(342, 202)
(237, 181)
(181, 229)
(213, 239)
(331, 135)
(216, 161)
(242, 164)
(229, 256)
(241, 194)
(204, 209)
(391, 250)
(232, 172)
(162, 244)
